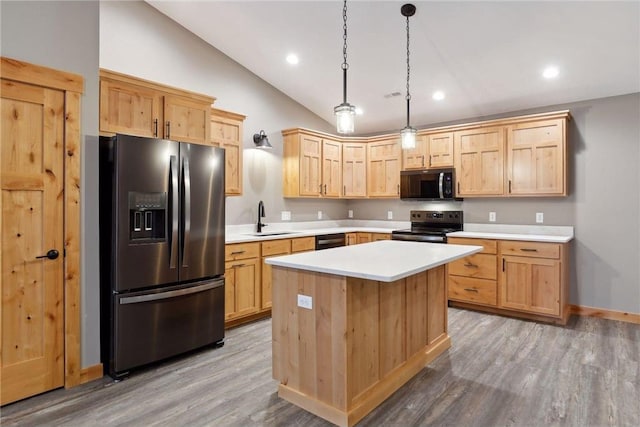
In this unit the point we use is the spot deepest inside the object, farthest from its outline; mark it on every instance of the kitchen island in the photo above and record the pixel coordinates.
(351, 325)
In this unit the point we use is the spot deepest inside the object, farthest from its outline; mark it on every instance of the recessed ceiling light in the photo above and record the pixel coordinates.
(292, 59)
(438, 95)
(359, 111)
(550, 72)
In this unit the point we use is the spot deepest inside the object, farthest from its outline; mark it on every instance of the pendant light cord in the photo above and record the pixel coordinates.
(408, 73)
(345, 66)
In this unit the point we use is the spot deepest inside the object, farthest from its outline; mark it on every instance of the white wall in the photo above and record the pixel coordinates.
(64, 35)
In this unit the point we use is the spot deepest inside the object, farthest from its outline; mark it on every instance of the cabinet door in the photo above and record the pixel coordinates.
(363, 238)
(130, 109)
(271, 248)
(352, 239)
(536, 158)
(354, 169)
(244, 277)
(227, 133)
(383, 171)
(440, 150)
(186, 120)
(331, 168)
(530, 284)
(380, 236)
(479, 162)
(417, 157)
(310, 155)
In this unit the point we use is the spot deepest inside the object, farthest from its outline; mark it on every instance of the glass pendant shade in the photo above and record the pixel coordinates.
(408, 138)
(345, 117)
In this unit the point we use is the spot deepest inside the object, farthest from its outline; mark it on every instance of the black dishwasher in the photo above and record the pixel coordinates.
(326, 241)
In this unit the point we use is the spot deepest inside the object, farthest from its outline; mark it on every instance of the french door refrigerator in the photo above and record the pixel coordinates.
(161, 249)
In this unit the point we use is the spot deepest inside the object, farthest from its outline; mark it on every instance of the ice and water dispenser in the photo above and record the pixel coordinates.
(147, 214)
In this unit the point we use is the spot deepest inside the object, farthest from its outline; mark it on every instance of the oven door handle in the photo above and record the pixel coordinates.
(440, 185)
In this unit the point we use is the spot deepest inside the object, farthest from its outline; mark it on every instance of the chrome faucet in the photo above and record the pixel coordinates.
(260, 216)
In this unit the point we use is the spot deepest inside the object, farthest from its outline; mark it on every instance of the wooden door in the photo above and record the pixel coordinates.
(310, 153)
(354, 169)
(352, 239)
(31, 321)
(186, 120)
(130, 109)
(245, 281)
(227, 133)
(331, 168)
(383, 171)
(441, 150)
(479, 162)
(531, 284)
(536, 158)
(416, 158)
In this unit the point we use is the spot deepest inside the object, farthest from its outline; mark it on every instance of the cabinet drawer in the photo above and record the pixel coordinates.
(530, 249)
(241, 251)
(380, 236)
(276, 247)
(479, 291)
(482, 266)
(303, 244)
(490, 246)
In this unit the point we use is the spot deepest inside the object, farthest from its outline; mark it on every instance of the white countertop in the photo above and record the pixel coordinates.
(250, 236)
(532, 233)
(385, 261)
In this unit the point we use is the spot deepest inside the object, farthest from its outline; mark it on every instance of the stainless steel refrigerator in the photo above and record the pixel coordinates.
(161, 249)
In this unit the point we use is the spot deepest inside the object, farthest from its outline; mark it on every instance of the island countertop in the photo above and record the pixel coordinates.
(385, 261)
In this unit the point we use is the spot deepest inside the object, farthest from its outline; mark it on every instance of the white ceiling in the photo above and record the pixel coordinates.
(487, 57)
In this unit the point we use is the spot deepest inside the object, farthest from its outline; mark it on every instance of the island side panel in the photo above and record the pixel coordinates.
(437, 304)
(417, 306)
(392, 337)
(309, 345)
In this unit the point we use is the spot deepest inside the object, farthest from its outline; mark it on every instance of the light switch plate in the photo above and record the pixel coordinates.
(286, 215)
(389, 214)
(319, 214)
(350, 213)
(492, 217)
(305, 301)
(539, 217)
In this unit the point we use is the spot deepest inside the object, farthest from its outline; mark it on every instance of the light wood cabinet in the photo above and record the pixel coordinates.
(242, 280)
(226, 132)
(536, 157)
(532, 279)
(363, 238)
(139, 107)
(303, 244)
(271, 248)
(479, 161)
(380, 236)
(354, 169)
(331, 168)
(351, 239)
(383, 170)
(432, 151)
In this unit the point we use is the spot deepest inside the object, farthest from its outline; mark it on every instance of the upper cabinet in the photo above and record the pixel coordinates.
(479, 162)
(417, 157)
(331, 168)
(226, 132)
(432, 151)
(383, 171)
(354, 169)
(139, 107)
(536, 158)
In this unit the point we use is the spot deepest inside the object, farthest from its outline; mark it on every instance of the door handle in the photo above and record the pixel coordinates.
(51, 254)
(155, 128)
(468, 264)
(528, 250)
(173, 186)
(471, 290)
(186, 215)
(168, 135)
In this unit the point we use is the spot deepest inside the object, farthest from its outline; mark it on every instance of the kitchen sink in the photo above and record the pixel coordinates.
(272, 233)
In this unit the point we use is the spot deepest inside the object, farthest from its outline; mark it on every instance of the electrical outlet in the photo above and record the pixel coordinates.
(492, 217)
(319, 214)
(539, 217)
(305, 301)
(389, 215)
(286, 215)
(350, 213)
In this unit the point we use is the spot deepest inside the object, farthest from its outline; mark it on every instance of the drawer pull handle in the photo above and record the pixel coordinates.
(471, 290)
(237, 252)
(468, 264)
(238, 265)
(528, 250)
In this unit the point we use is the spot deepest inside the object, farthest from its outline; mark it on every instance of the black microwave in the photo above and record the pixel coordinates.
(431, 184)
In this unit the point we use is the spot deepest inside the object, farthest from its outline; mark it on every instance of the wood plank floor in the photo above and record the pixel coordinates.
(499, 372)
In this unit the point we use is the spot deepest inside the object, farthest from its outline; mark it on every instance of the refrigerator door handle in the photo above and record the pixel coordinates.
(172, 294)
(173, 177)
(186, 215)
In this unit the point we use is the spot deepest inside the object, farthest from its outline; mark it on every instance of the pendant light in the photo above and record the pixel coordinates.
(345, 112)
(408, 134)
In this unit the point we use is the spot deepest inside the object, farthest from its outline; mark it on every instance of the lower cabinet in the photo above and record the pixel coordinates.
(242, 280)
(271, 248)
(518, 278)
(360, 237)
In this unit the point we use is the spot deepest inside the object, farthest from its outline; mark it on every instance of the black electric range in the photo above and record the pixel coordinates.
(430, 226)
